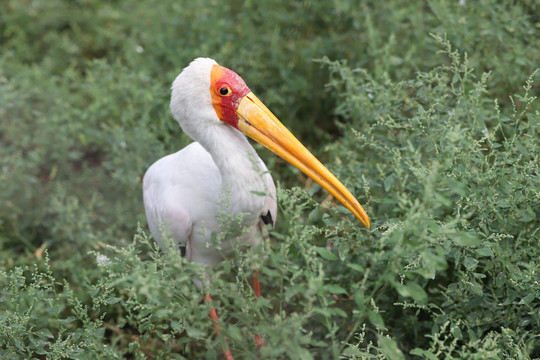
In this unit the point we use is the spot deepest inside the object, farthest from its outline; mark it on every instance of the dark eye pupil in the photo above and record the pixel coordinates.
(224, 91)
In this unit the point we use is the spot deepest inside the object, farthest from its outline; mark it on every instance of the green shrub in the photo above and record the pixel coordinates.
(455, 187)
(437, 135)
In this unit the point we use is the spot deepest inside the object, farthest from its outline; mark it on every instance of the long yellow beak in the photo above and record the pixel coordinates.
(257, 122)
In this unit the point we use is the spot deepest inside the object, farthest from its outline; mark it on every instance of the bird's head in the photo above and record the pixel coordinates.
(218, 95)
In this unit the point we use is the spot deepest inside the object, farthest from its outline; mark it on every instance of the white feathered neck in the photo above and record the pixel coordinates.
(237, 161)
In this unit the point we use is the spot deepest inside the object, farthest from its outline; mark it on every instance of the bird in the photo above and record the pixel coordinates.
(186, 193)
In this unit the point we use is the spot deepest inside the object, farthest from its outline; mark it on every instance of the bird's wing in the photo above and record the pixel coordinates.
(179, 189)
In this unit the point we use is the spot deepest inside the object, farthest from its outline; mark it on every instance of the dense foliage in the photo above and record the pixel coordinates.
(427, 112)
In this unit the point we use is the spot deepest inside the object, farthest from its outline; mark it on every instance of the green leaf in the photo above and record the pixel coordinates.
(527, 215)
(456, 186)
(476, 288)
(413, 290)
(292, 291)
(326, 254)
(112, 300)
(41, 352)
(337, 311)
(389, 348)
(46, 333)
(234, 333)
(376, 320)
(177, 326)
(470, 263)
(463, 238)
(425, 353)
(351, 351)
(67, 320)
(315, 214)
(388, 182)
(456, 331)
(359, 299)
(485, 251)
(195, 333)
(528, 299)
(434, 259)
(132, 346)
(334, 289)
(356, 267)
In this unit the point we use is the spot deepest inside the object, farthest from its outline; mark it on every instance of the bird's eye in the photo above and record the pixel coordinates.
(225, 91)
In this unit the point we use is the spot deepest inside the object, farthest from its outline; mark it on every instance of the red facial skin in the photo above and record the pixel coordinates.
(226, 105)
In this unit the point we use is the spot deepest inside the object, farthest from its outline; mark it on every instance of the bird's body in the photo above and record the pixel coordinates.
(185, 193)
(219, 180)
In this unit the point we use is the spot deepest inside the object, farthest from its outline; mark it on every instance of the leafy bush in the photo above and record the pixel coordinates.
(438, 135)
(456, 184)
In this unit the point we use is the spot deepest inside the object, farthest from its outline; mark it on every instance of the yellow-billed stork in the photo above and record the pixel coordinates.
(182, 191)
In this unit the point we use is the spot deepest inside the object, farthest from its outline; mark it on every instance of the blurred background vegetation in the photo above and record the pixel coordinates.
(426, 110)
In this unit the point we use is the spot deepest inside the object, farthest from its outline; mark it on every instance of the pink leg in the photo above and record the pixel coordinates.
(213, 315)
(259, 340)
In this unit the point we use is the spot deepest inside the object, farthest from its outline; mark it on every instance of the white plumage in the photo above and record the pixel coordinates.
(184, 192)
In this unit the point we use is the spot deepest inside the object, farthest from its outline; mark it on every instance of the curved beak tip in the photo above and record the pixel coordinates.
(257, 122)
